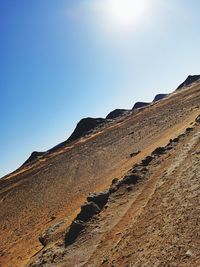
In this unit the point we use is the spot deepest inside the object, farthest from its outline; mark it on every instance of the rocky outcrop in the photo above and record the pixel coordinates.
(190, 79)
(75, 228)
(116, 113)
(88, 210)
(96, 202)
(85, 126)
(159, 97)
(47, 236)
(159, 151)
(99, 199)
(135, 153)
(140, 105)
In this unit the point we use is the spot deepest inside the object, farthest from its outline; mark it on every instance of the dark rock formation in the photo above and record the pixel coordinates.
(135, 153)
(100, 199)
(74, 230)
(158, 151)
(130, 179)
(159, 97)
(189, 129)
(95, 204)
(140, 105)
(85, 126)
(190, 79)
(116, 113)
(88, 210)
(147, 160)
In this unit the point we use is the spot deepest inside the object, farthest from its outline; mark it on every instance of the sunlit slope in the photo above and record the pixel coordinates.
(54, 188)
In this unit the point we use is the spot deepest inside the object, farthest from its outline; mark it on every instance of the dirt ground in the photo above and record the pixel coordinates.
(153, 225)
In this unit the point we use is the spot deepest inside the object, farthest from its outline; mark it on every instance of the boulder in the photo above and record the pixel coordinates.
(88, 210)
(74, 230)
(147, 160)
(158, 151)
(130, 179)
(100, 199)
(133, 154)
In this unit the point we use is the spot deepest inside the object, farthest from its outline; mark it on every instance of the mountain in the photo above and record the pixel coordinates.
(190, 80)
(121, 192)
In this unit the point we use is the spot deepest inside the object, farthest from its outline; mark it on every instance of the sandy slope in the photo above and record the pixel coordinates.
(52, 190)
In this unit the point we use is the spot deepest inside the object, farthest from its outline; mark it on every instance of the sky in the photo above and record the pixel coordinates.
(63, 60)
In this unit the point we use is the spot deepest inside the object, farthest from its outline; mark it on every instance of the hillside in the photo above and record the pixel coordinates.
(147, 221)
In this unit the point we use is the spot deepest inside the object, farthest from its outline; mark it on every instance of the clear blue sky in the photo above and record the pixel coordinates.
(62, 60)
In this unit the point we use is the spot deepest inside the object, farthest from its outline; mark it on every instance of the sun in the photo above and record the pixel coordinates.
(127, 12)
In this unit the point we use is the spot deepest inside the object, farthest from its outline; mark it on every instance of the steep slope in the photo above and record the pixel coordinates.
(86, 126)
(51, 191)
(147, 218)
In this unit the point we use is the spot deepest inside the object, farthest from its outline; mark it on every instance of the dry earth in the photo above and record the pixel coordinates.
(153, 223)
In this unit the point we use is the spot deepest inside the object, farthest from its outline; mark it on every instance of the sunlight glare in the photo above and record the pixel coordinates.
(127, 12)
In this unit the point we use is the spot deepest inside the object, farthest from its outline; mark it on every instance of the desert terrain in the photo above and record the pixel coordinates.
(151, 219)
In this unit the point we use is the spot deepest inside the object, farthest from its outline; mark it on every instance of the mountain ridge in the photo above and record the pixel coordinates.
(40, 201)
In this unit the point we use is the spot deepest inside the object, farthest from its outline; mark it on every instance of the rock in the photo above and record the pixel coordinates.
(169, 147)
(129, 188)
(197, 120)
(188, 254)
(159, 97)
(114, 181)
(47, 236)
(147, 160)
(100, 199)
(116, 113)
(189, 129)
(130, 179)
(139, 169)
(175, 140)
(158, 151)
(135, 153)
(190, 79)
(88, 210)
(140, 105)
(74, 230)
